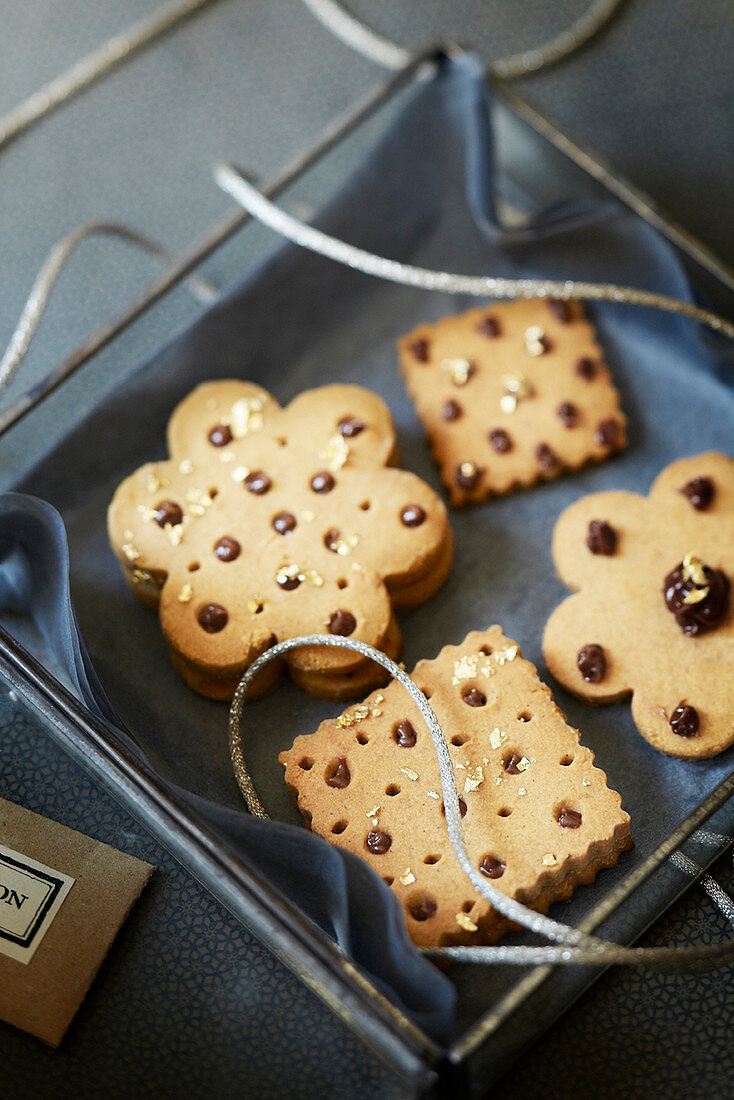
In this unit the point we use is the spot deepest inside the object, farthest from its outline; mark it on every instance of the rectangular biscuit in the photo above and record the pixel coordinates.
(511, 394)
(538, 817)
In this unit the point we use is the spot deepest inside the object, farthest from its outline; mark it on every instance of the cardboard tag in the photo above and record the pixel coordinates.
(63, 899)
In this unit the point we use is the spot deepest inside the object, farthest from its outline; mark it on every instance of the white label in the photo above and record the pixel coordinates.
(31, 895)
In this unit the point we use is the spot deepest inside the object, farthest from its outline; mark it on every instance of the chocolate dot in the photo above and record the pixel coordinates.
(568, 414)
(168, 514)
(258, 482)
(468, 475)
(220, 435)
(350, 426)
(288, 581)
(412, 515)
(560, 310)
(592, 663)
(697, 607)
(500, 440)
(489, 326)
(213, 618)
(511, 762)
(684, 720)
(601, 537)
(419, 348)
(422, 908)
(284, 523)
(607, 433)
(404, 735)
(227, 549)
(585, 368)
(378, 842)
(331, 539)
(700, 492)
(451, 410)
(546, 457)
(462, 808)
(473, 697)
(492, 867)
(338, 774)
(323, 482)
(342, 622)
(569, 819)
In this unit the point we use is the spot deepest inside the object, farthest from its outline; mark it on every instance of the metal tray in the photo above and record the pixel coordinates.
(482, 1045)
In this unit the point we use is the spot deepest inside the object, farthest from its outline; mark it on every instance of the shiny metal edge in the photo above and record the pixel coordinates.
(231, 878)
(280, 926)
(212, 238)
(637, 200)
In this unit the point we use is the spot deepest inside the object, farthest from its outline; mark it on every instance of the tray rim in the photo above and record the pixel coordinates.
(407, 1050)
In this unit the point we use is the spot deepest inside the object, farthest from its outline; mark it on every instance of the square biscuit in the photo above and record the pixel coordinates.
(538, 817)
(511, 394)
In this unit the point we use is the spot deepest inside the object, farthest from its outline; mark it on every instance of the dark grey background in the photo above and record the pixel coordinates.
(254, 81)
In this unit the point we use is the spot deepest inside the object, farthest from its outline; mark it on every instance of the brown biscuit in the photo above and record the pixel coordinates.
(271, 522)
(511, 394)
(652, 614)
(539, 818)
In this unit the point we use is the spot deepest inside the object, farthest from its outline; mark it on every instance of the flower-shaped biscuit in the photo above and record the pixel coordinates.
(271, 522)
(652, 615)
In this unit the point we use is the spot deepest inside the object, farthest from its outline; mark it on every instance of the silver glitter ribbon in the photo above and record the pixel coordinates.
(375, 47)
(50, 271)
(479, 286)
(568, 945)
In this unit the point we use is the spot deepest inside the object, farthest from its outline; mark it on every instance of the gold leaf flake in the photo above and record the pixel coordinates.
(497, 737)
(410, 774)
(460, 370)
(466, 922)
(696, 595)
(508, 654)
(693, 570)
(344, 544)
(289, 572)
(246, 416)
(465, 668)
(407, 878)
(474, 779)
(518, 384)
(549, 860)
(353, 715)
(185, 594)
(336, 452)
(186, 466)
(130, 552)
(535, 340)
